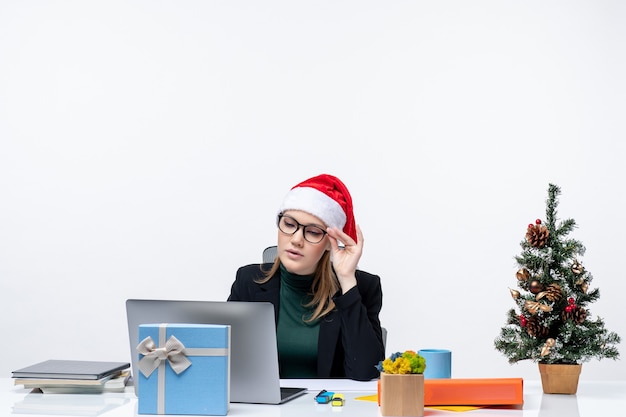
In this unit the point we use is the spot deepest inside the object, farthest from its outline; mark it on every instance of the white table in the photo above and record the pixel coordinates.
(594, 399)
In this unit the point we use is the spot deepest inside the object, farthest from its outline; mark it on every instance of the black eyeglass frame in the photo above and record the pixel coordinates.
(300, 226)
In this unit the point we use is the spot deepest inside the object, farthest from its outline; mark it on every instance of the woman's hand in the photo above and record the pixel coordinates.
(345, 260)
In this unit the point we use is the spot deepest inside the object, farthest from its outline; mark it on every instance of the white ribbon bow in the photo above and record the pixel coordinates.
(173, 352)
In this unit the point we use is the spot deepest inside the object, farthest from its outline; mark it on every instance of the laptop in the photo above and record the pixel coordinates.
(254, 376)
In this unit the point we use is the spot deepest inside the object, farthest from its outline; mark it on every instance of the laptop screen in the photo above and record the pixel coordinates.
(254, 357)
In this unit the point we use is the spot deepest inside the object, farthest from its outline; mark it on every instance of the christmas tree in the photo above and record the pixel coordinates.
(552, 323)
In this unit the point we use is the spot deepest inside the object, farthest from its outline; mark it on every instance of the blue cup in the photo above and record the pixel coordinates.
(438, 363)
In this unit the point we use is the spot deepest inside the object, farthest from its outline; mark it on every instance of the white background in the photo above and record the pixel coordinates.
(145, 147)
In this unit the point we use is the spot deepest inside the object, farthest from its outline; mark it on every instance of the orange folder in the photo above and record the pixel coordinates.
(474, 391)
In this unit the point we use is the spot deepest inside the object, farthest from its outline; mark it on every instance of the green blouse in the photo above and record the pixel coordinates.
(297, 339)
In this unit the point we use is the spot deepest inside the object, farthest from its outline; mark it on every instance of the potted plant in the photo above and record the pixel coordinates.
(402, 384)
(552, 324)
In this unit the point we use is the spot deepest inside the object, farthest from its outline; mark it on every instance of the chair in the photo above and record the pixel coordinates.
(269, 254)
(384, 340)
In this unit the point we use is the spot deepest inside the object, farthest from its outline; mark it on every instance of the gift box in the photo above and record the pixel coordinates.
(183, 369)
(471, 392)
(474, 391)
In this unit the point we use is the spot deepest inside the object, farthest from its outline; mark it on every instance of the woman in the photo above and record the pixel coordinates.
(327, 322)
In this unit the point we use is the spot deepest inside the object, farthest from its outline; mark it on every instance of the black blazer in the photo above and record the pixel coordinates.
(350, 343)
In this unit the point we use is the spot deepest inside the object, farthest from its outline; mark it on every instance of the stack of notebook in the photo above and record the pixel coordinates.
(71, 376)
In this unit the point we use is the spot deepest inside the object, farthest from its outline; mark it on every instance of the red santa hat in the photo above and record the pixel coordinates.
(325, 197)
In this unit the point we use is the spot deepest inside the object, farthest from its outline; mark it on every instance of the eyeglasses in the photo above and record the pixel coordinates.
(289, 226)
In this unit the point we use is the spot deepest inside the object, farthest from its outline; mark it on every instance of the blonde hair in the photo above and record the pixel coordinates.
(325, 285)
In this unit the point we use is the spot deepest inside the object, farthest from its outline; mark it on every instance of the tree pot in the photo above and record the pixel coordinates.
(559, 378)
(402, 394)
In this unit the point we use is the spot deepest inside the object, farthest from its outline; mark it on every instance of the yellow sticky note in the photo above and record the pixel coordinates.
(373, 398)
(457, 408)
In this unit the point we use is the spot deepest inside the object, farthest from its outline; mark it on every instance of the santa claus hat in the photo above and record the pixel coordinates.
(325, 197)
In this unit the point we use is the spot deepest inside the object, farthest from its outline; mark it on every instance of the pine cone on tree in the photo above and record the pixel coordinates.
(576, 314)
(553, 292)
(537, 235)
(535, 328)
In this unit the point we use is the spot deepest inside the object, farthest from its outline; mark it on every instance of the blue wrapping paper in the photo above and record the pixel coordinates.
(188, 367)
